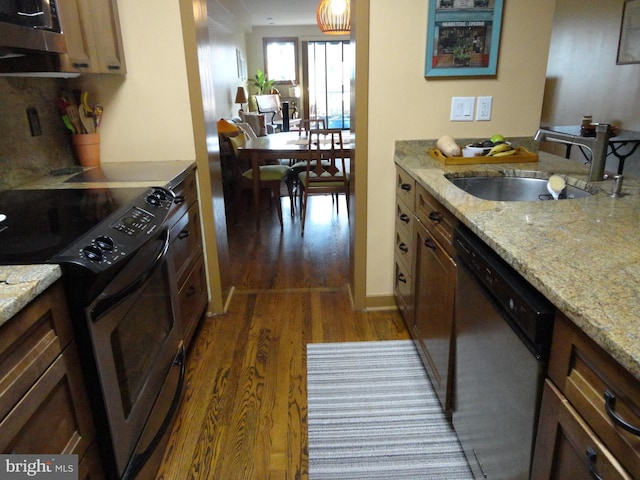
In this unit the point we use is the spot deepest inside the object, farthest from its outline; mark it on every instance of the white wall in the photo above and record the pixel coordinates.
(146, 113)
(405, 105)
(582, 75)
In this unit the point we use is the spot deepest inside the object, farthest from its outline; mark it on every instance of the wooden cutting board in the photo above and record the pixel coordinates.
(522, 155)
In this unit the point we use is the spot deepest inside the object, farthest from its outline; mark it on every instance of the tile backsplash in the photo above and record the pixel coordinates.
(24, 157)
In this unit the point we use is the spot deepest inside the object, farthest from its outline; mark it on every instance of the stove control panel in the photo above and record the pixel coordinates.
(122, 234)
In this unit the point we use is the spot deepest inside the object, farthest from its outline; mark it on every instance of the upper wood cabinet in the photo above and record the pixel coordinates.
(93, 36)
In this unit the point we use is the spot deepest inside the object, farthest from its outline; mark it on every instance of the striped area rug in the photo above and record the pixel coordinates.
(374, 415)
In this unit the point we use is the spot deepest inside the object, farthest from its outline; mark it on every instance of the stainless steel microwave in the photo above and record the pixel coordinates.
(31, 25)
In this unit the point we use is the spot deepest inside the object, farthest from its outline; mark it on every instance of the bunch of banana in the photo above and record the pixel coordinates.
(501, 150)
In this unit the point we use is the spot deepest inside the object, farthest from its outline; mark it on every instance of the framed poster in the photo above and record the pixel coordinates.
(463, 37)
(629, 46)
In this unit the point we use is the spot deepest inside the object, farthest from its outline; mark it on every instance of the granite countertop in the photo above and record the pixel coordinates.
(582, 254)
(20, 284)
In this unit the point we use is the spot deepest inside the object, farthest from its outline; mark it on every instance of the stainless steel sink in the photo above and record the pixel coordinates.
(515, 188)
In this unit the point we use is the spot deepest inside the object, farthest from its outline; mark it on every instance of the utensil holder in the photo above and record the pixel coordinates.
(87, 148)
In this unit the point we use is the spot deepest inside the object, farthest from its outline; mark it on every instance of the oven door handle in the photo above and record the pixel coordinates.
(105, 304)
(139, 459)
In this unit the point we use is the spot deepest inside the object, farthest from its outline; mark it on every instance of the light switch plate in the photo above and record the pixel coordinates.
(462, 109)
(483, 112)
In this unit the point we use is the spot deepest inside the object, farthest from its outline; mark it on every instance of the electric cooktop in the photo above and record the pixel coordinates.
(35, 225)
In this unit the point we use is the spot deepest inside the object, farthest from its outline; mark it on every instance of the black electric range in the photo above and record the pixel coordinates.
(76, 225)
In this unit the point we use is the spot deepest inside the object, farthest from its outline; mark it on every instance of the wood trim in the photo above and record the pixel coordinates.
(380, 302)
(359, 170)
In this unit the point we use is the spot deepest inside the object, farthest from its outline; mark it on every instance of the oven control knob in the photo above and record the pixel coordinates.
(92, 252)
(159, 197)
(154, 199)
(104, 243)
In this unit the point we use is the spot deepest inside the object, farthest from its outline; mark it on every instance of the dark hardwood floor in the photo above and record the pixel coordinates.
(244, 411)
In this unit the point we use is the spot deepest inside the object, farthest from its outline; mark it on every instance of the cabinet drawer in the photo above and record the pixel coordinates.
(433, 215)
(567, 448)
(187, 241)
(193, 299)
(404, 219)
(403, 283)
(405, 188)
(30, 342)
(54, 416)
(587, 376)
(186, 195)
(404, 248)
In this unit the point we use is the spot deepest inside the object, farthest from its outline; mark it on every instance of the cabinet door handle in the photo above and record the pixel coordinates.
(183, 234)
(406, 187)
(402, 278)
(609, 404)
(430, 244)
(80, 65)
(405, 218)
(592, 456)
(191, 291)
(403, 247)
(435, 216)
(179, 199)
(113, 67)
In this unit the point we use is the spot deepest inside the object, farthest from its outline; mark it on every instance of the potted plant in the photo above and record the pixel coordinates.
(461, 56)
(261, 83)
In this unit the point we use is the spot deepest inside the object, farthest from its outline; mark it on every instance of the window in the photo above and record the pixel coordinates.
(281, 59)
(329, 67)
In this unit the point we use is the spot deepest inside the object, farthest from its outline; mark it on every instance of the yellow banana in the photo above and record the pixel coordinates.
(503, 147)
(85, 103)
(504, 154)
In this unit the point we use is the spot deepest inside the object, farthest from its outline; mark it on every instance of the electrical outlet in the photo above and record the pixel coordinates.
(462, 109)
(34, 122)
(483, 110)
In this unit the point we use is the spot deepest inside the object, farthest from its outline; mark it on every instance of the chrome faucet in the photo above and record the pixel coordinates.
(596, 145)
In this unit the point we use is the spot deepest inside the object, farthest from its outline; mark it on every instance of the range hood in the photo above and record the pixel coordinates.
(31, 52)
(26, 38)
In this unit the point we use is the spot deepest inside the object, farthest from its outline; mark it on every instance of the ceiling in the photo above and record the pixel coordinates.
(281, 12)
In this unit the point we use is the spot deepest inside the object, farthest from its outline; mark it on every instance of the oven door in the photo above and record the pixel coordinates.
(135, 337)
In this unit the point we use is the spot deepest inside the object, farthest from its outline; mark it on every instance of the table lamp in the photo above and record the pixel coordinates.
(241, 97)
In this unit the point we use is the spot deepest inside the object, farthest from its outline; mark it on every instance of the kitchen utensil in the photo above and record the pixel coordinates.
(555, 185)
(87, 122)
(68, 124)
(62, 104)
(74, 118)
(85, 103)
(97, 115)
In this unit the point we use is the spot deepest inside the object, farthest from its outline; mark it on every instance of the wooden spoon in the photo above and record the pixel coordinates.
(87, 122)
(74, 117)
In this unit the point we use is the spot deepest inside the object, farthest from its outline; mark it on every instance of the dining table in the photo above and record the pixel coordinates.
(622, 143)
(292, 145)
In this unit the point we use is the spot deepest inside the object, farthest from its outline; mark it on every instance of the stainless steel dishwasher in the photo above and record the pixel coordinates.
(503, 332)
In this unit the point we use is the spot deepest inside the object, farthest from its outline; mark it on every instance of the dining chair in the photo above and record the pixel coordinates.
(307, 124)
(325, 172)
(271, 176)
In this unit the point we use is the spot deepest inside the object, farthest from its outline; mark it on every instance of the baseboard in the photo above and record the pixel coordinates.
(380, 302)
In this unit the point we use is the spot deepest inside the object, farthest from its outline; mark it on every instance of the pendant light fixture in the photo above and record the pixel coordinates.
(334, 16)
